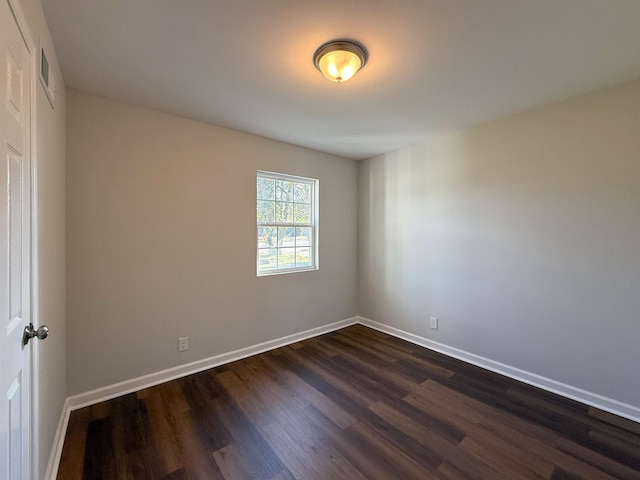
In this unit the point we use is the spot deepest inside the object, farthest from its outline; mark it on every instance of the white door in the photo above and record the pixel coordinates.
(15, 247)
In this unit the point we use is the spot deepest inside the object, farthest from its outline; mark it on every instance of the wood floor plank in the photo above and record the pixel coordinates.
(330, 409)
(75, 443)
(393, 355)
(352, 404)
(504, 461)
(448, 471)
(180, 474)
(411, 462)
(229, 460)
(426, 419)
(611, 419)
(367, 456)
(99, 456)
(326, 381)
(472, 415)
(163, 447)
(199, 463)
(388, 373)
(471, 466)
(560, 474)
(258, 457)
(306, 451)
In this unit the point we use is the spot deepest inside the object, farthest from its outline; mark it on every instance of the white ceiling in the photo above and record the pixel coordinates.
(433, 64)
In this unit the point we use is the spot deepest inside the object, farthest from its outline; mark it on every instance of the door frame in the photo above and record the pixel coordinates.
(23, 26)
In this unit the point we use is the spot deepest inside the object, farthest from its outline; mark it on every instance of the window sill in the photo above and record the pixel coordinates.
(283, 271)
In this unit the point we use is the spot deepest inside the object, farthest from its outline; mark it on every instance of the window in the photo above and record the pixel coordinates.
(287, 214)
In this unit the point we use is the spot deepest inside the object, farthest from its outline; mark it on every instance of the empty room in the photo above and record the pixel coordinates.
(285, 239)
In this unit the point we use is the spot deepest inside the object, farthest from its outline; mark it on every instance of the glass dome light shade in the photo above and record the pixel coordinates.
(340, 60)
(339, 65)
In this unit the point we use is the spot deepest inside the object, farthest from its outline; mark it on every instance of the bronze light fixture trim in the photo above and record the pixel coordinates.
(339, 60)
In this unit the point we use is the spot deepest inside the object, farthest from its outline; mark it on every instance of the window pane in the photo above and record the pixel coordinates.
(284, 212)
(286, 257)
(266, 189)
(301, 213)
(266, 211)
(303, 236)
(303, 258)
(286, 237)
(267, 259)
(267, 237)
(302, 193)
(284, 191)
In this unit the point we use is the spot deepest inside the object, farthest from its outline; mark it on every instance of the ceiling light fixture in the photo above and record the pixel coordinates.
(339, 60)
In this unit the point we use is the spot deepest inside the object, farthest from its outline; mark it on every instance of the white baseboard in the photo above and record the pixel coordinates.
(593, 399)
(58, 443)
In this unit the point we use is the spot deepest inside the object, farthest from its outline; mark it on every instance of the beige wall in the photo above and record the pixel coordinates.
(521, 235)
(49, 272)
(161, 239)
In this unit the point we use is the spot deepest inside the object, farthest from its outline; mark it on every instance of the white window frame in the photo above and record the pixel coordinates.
(313, 224)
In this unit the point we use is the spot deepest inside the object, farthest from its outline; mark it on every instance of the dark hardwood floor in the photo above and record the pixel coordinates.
(355, 403)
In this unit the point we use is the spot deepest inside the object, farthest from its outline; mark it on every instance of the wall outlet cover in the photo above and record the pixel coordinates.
(433, 323)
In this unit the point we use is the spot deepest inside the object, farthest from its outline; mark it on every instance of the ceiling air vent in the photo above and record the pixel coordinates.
(45, 76)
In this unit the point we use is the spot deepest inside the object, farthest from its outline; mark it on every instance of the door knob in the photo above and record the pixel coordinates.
(41, 333)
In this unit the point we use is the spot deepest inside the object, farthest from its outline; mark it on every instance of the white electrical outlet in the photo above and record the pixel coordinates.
(183, 344)
(433, 323)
